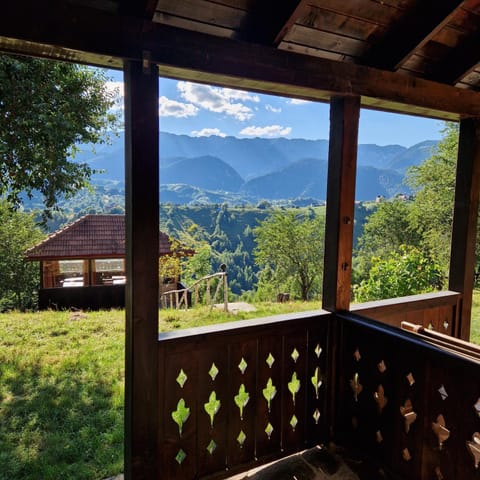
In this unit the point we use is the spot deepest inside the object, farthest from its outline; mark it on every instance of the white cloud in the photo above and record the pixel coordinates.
(270, 108)
(298, 101)
(208, 132)
(269, 131)
(172, 108)
(218, 100)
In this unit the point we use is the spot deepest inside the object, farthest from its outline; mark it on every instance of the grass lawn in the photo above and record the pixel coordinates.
(62, 383)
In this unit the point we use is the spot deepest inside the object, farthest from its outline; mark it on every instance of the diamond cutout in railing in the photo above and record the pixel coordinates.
(477, 407)
(316, 416)
(180, 457)
(213, 372)
(381, 366)
(356, 355)
(295, 355)
(241, 438)
(406, 455)
(269, 430)
(443, 392)
(379, 436)
(181, 378)
(211, 447)
(446, 325)
(270, 360)
(410, 379)
(242, 366)
(293, 422)
(318, 350)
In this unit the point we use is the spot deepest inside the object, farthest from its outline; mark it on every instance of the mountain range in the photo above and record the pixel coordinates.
(209, 169)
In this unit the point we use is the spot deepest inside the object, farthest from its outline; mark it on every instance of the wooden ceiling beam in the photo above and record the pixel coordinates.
(270, 20)
(458, 63)
(102, 38)
(415, 29)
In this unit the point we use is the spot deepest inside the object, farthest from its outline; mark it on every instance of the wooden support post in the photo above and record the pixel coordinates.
(465, 214)
(225, 292)
(142, 236)
(342, 166)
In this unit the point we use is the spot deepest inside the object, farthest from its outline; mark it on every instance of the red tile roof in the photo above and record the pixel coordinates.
(91, 236)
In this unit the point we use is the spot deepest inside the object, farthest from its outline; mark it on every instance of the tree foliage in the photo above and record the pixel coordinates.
(404, 272)
(385, 231)
(290, 249)
(47, 109)
(19, 280)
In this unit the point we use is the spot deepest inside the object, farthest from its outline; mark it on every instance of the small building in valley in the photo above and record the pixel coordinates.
(83, 264)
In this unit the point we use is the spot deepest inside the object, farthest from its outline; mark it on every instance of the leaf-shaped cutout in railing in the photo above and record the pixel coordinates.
(440, 430)
(241, 399)
(180, 415)
(408, 414)
(294, 386)
(316, 381)
(212, 406)
(474, 448)
(356, 386)
(380, 398)
(269, 392)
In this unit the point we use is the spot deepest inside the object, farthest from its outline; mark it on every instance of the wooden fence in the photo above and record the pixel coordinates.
(180, 297)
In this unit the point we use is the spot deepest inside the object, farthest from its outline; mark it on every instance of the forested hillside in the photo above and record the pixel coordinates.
(229, 232)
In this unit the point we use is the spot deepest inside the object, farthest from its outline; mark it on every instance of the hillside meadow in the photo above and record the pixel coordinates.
(62, 384)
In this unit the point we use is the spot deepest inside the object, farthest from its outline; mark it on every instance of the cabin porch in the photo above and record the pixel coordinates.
(210, 402)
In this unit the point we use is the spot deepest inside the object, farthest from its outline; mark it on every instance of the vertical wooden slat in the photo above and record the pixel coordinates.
(342, 164)
(464, 234)
(142, 231)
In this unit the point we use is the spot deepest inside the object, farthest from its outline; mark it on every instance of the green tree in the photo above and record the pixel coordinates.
(384, 232)
(47, 109)
(290, 247)
(433, 183)
(19, 280)
(404, 272)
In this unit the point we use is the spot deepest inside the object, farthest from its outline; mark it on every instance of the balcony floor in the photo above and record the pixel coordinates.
(314, 464)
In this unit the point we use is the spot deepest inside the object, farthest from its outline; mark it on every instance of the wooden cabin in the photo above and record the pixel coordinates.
(407, 402)
(83, 264)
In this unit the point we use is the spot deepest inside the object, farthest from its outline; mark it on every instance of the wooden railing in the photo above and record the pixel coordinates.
(408, 402)
(179, 297)
(244, 393)
(240, 394)
(436, 311)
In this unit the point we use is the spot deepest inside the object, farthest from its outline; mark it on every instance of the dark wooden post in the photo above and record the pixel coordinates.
(142, 236)
(465, 214)
(342, 167)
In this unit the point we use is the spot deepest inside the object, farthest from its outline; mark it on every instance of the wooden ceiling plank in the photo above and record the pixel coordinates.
(458, 63)
(202, 12)
(327, 41)
(333, 22)
(421, 22)
(188, 55)
(374, 12)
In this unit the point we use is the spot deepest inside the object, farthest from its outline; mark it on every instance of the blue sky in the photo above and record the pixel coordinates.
(202, 110)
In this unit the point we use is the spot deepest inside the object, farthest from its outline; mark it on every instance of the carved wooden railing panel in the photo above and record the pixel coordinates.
(407, 405)
(437, 311)
(241, 394)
